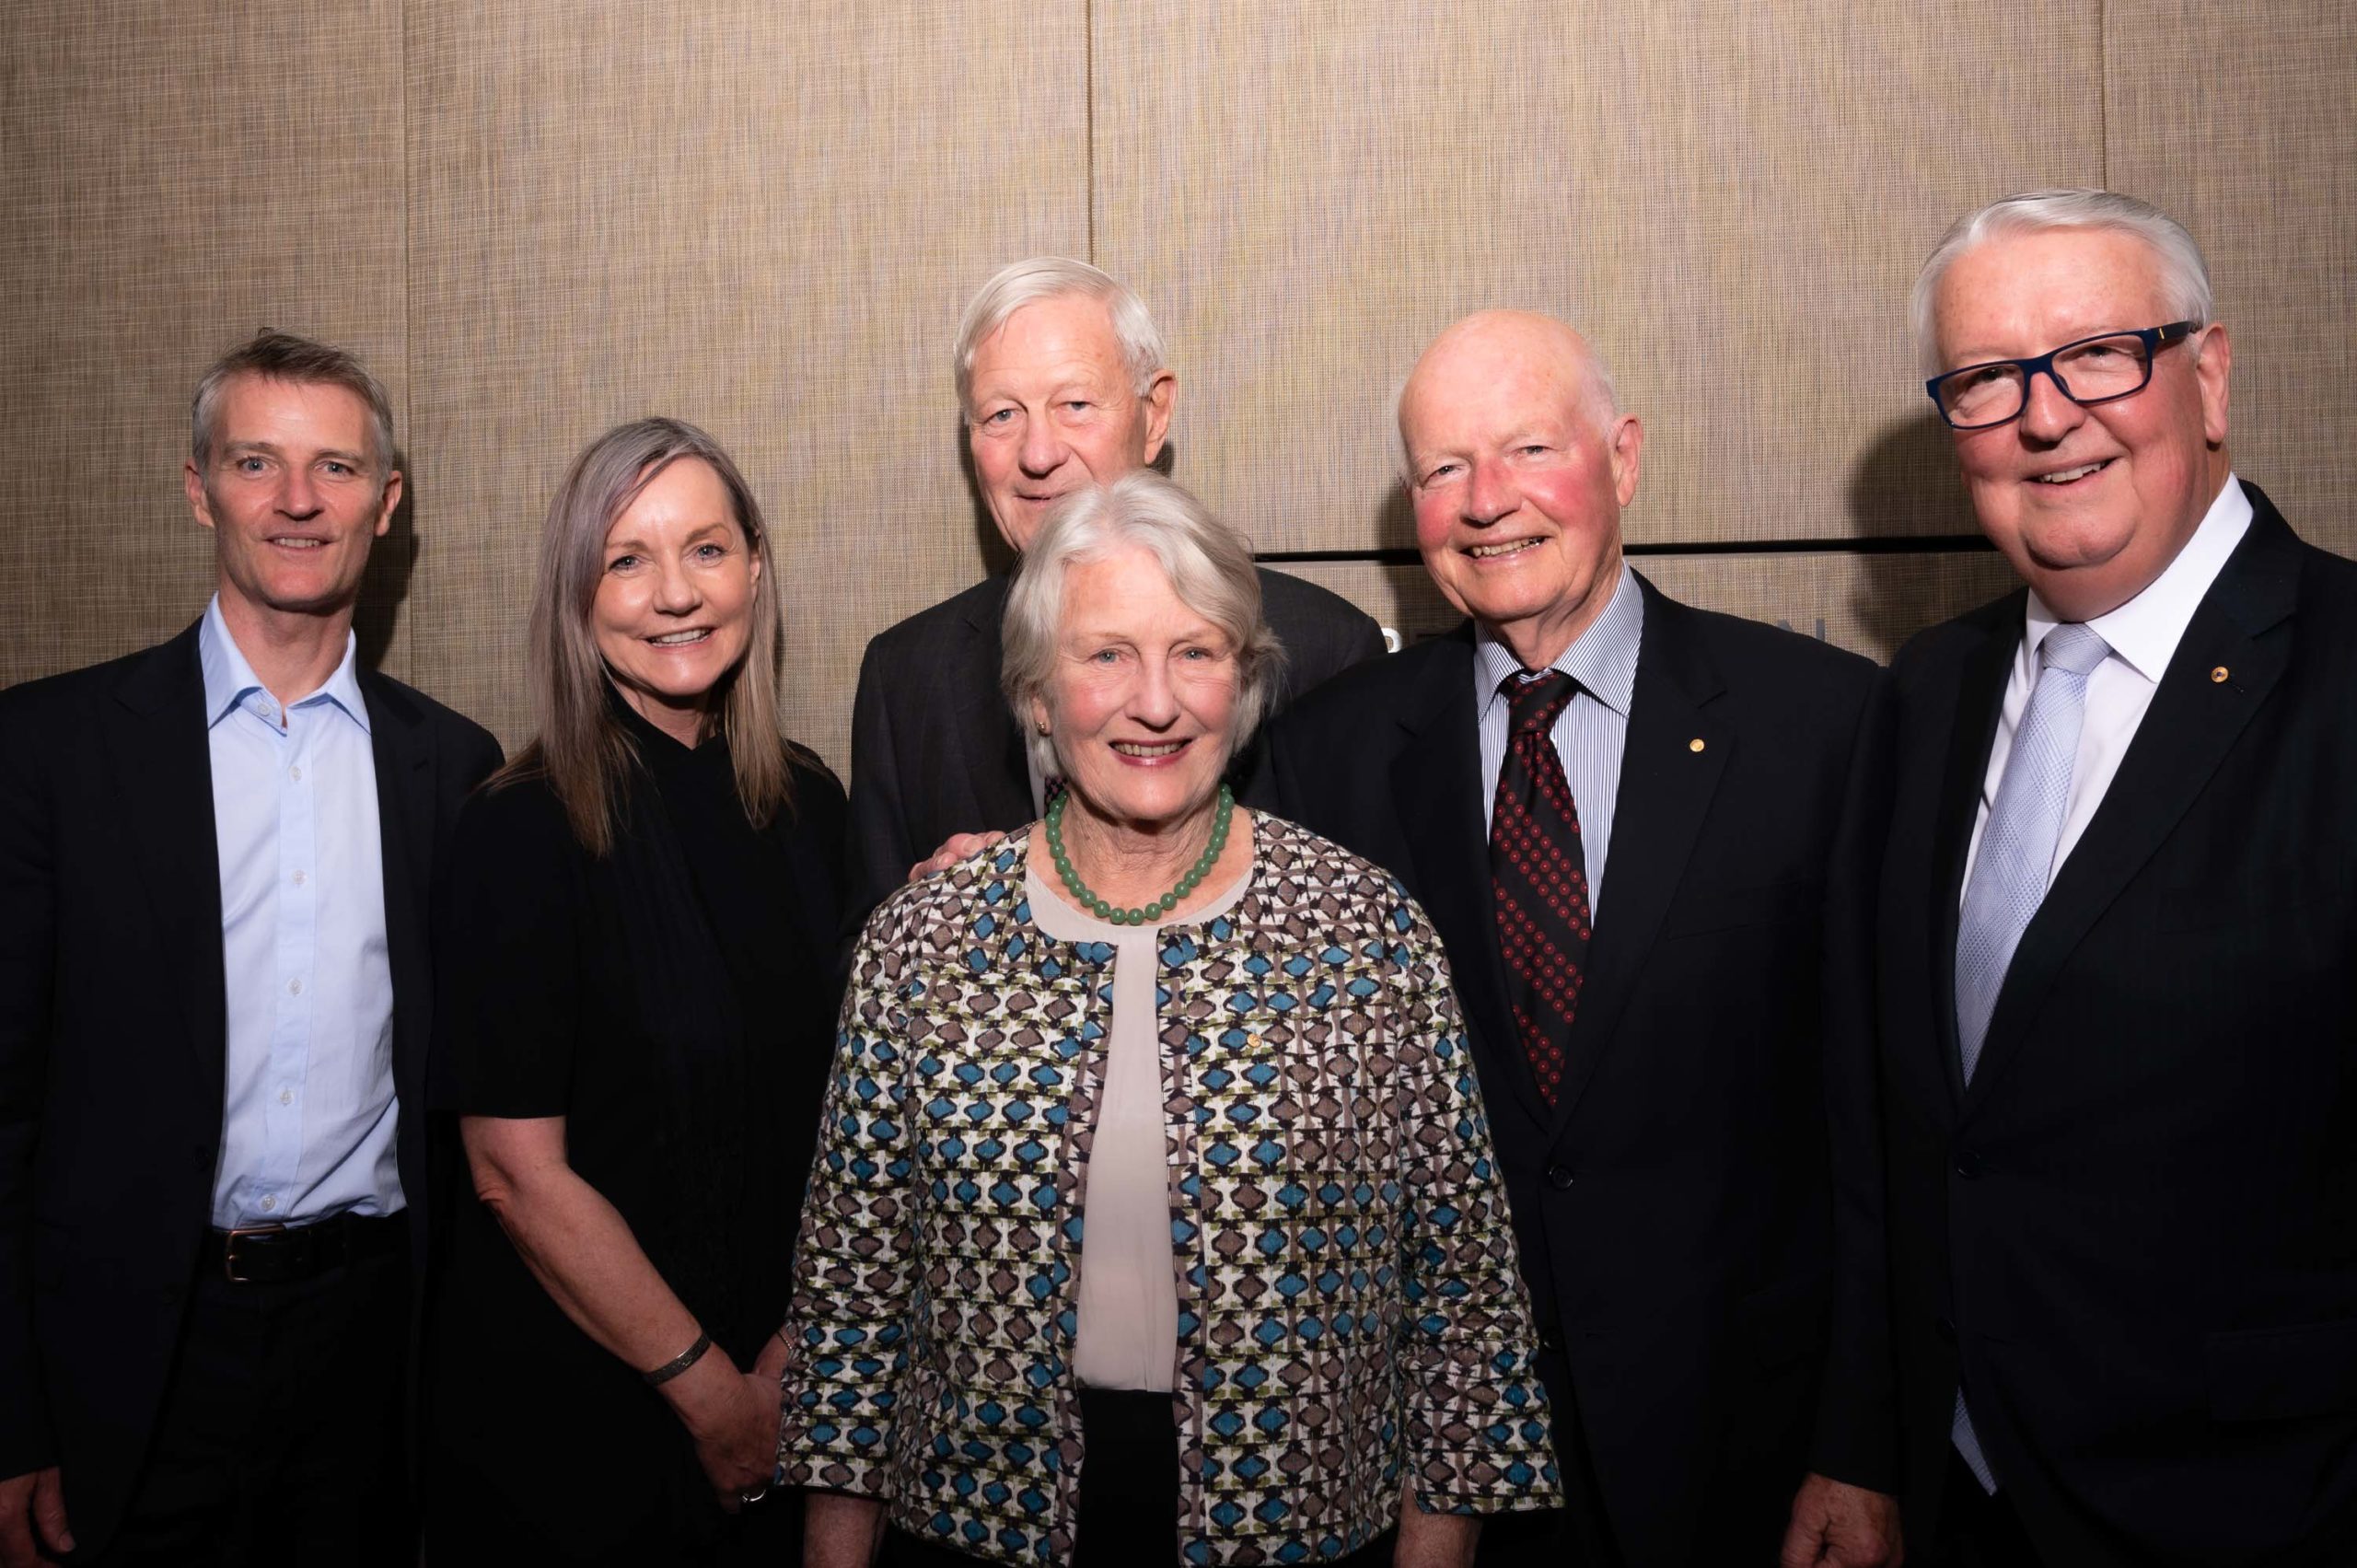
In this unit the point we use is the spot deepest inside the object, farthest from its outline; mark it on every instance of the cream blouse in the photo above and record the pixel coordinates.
(1128, 1332)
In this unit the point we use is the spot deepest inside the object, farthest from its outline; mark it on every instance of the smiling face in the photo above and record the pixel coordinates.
(1053, 408)
(1518, 490)
(1142, 702)
(295, 493)
(674, 609)
(2090, 504)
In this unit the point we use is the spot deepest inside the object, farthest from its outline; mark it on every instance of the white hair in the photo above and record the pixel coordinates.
(2185, 279)
(1208, 565)
(1057, 277)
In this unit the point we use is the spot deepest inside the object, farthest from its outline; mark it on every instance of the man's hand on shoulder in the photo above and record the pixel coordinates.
(954, 848)
(32, 1519)
(1842, 1526)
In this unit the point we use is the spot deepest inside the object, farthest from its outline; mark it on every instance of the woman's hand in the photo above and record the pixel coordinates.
(733, 1417)
(1435, 1540)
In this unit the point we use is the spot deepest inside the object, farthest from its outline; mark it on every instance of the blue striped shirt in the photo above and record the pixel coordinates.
(1593, 730)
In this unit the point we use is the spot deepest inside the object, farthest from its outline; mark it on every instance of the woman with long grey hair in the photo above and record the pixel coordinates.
(637, 1000)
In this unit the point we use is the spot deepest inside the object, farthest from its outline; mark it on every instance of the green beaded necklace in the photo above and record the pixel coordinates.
(1161, 906)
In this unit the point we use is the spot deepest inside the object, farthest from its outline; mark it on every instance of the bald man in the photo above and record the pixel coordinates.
(1654, 1063)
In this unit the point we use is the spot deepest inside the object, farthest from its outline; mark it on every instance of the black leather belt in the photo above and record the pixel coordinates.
(273, 1254)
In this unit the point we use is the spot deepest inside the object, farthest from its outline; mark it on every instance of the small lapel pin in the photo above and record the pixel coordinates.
(1695, 744)
(2218, 676)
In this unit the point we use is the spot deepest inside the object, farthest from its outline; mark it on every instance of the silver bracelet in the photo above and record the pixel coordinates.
(680, 1363)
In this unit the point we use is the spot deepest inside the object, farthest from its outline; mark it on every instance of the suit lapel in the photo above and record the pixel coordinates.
(402, 746)
(1980, 699)
(163, 768)
(2193, 722)
(1667, 783)
(989, 737)
(1436, 778)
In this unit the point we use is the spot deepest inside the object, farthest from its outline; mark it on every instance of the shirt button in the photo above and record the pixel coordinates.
(298, 878)
(294, 988)
(269, 1205)
(295, 773)
(287, 1097)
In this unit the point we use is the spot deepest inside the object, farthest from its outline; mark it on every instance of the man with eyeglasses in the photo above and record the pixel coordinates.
(2116, 961)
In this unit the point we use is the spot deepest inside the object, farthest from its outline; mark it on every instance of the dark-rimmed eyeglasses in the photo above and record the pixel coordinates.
(2100, 369)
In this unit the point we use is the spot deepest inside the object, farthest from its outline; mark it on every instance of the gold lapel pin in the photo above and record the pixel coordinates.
(1695, 744)
(2218, 674)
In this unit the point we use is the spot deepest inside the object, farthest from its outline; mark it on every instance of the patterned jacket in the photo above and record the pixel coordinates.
(1348, 1306)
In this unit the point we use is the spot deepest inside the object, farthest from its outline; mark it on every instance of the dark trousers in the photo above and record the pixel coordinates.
(1129, 1494)
(1977, 1530)
(280, 1439)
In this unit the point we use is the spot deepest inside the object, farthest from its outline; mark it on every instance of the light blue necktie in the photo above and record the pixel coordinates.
(2009, 874)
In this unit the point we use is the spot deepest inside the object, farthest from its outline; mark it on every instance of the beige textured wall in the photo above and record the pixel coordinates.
(537, 219)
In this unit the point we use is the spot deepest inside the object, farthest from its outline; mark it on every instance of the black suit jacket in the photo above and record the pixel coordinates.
(113, 1034)
(2134, 1236)
(935, 750)
(1673, 1208)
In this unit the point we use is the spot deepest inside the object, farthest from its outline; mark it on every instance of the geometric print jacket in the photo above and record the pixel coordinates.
(1351, 1322)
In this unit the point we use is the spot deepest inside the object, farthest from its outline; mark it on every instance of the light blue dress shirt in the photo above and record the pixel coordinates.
(308, 1112)
(1593, 729)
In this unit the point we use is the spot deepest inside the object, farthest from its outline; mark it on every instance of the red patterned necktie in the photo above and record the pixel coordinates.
(1538, 877)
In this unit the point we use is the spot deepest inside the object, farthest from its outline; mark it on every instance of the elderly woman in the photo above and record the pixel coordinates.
(1155, 1216)
(638, 982)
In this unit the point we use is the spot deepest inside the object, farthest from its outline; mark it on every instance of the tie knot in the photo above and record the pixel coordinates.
(1535, 701)
(2072, 647)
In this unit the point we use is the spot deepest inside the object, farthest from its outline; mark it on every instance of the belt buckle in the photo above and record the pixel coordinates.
(229, 1250)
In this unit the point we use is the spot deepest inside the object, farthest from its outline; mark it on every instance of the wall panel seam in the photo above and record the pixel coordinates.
(1088, 112)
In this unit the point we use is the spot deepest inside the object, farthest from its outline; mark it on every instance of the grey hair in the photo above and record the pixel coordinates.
(582, 749)
(1209, 566)
(2185, 278)
(281, 356)
(1597, 392)
(1055, 277)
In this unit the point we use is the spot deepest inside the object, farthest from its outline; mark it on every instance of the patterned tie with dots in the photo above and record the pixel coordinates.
(1538, 877)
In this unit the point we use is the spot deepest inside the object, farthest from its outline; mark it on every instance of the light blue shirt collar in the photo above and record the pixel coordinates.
(1603, 658)
(230, 681)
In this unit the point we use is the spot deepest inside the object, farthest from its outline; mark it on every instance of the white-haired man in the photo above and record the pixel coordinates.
(1649, 1063)
(2116, 962)
(1063, 382)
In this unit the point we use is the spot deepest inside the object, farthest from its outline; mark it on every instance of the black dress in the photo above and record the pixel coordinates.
(675, 1002)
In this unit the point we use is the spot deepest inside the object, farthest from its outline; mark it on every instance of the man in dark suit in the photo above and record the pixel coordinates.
(1063, 382)
(216, 863)
(1650, 1061)
(2117, 958)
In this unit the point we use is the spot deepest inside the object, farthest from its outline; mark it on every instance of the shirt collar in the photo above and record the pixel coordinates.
(2146, 630)
(230, 679)
(1603, 658)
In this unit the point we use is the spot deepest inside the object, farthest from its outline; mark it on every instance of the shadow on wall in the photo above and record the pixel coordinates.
(392, 560)
(1395, 519)
(1903, 486)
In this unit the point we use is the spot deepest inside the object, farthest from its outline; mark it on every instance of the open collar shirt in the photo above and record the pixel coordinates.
(309, 1110)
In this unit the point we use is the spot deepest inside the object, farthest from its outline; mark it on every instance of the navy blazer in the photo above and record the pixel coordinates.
(1672, 1208)
(2134, 1239)
(113, 1034)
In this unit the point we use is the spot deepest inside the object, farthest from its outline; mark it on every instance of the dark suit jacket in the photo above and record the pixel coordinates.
(935, 750)
(112, 1034)
(2134, 1237)
(1673, 1210)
